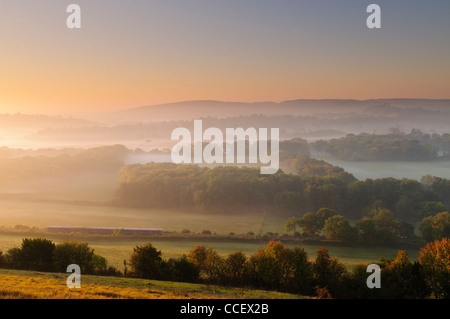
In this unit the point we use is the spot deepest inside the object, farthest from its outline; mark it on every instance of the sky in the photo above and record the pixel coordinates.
(143, 52)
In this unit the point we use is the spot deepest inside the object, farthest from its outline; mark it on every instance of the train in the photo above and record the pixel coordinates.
(104, 230)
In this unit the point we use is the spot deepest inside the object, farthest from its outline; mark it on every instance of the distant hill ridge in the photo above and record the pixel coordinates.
(185, 110)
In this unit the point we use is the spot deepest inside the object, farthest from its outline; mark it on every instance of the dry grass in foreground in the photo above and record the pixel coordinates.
(16, 284)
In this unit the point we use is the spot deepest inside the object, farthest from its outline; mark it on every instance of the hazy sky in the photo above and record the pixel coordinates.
(142, 52)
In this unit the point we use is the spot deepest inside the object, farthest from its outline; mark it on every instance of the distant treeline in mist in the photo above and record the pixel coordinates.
(397, 146)
(232, 189)
(311, 126)
(394, 146)
(108, 159)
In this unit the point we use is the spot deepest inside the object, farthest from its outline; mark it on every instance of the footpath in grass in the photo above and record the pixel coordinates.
(17, 284)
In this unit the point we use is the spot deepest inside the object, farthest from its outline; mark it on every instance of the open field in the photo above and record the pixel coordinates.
(117, 250)
(30, 284)
(42, 214)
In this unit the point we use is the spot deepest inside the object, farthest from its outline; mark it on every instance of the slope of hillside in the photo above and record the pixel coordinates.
(17, 284)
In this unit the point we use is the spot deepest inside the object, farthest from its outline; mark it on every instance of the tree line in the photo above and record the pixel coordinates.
(231, 189)
(273, 267)
(42, 254)
(370, 147)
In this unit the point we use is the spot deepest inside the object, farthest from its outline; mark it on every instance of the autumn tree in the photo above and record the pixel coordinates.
(197, 256)
(208, 261)
(328, 272)
(403, 279)
(435, 227)
(271, 266)
(235, 267)
(435, 260)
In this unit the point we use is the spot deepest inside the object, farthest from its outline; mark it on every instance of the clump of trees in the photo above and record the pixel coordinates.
(146, 262)
(379, 226)
(274, 266)
(281, 268)
(370, 147)
(41, 254)
(435, 227)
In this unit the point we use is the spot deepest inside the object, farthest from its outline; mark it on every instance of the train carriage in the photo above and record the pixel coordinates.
(104, 230)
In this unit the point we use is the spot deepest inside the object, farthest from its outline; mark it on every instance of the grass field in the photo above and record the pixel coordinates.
(42, 214)
(30, 285)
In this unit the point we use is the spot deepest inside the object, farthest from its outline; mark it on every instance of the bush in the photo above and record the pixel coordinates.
(2, 260)
(185, 231)
(146, 262)
(206, 232)
(12, 259)
(78, 253)
(36, 254)
(180, 269)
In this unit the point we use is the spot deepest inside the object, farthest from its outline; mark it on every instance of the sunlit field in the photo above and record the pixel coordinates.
(16, 284)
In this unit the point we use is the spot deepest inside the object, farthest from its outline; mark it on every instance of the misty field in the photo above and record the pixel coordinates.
(42, 214)
(396, 169)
